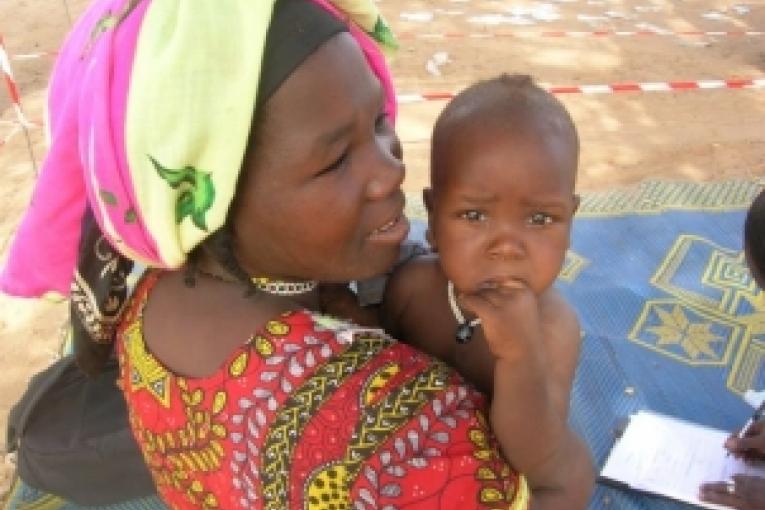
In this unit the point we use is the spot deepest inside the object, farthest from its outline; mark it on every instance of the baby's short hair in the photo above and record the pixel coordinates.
(508, 99)
(754, 236)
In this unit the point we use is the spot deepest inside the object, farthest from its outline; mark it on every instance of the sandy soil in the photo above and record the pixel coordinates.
(695, 135)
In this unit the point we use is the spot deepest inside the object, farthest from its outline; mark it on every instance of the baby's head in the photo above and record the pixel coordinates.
(503, 168)
(754, 239)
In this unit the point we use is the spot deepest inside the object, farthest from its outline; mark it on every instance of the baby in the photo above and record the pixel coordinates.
(500, 207)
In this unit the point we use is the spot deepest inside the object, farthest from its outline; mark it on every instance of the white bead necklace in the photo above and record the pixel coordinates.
(465, 329)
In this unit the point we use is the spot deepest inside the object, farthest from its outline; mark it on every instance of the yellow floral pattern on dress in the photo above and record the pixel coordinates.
(328, 489)
(146, 372)
(377, 382)
(263, 346)
(239, 365)
(517, 493)
(277, 328)
(175, 456)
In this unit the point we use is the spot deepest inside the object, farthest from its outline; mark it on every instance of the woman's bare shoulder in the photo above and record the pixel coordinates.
(193, 330)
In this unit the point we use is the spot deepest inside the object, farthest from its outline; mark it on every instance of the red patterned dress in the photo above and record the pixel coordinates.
(314, 413)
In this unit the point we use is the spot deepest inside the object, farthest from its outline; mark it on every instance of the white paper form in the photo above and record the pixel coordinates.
(672, 457)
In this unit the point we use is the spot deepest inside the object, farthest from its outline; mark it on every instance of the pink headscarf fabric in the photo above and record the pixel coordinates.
(95, 161)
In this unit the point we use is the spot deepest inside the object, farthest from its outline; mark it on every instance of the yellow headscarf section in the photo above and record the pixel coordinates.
(189, 114)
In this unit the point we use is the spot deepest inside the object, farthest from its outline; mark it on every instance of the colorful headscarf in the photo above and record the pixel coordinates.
(150, 106)
(150, 109)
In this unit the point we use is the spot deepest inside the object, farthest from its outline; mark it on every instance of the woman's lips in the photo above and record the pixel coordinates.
(394, 230)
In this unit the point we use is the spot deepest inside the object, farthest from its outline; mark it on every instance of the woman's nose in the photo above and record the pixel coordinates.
(389, 168)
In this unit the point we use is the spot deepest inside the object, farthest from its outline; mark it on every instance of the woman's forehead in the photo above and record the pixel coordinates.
(326, 91)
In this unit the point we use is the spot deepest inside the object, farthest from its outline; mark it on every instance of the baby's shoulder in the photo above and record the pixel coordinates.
(415, 275)
(410, 284)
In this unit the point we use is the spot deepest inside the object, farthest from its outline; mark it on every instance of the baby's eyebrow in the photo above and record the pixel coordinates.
(479, 199)
(545, 203)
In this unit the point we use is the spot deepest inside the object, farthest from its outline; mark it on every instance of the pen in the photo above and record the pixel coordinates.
(755, 417)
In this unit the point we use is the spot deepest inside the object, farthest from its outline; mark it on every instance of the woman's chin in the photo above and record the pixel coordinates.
(380, 263)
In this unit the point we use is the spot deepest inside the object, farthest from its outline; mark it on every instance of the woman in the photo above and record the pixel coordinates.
(242, 391)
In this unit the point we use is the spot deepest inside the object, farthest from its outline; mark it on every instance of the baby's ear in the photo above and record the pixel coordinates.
(427, 198)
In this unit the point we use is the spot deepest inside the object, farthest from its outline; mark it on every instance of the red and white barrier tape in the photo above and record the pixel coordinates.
(614, 88)
(33, 56)
(7, 138)
(577, 33)
(13, 91)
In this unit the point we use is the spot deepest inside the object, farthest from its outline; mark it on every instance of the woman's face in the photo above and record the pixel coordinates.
(321, 193)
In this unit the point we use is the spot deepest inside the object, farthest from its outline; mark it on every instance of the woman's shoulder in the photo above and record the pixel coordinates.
(194, 330)
(201, 341)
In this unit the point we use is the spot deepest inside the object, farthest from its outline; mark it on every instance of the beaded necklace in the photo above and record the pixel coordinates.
(269, 286)
(465, 329)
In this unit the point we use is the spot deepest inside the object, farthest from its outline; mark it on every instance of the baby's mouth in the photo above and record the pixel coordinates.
(505, 282)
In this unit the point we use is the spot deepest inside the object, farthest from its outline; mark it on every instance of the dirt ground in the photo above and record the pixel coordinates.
(697, 135)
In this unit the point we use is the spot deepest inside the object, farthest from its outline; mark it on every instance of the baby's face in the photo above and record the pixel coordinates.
(502, 207)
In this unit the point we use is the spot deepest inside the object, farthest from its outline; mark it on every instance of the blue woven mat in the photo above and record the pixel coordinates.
(672, 320)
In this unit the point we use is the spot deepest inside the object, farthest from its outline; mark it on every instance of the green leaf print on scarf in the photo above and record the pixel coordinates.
(108, 22)
(197, 192)
(383, 34)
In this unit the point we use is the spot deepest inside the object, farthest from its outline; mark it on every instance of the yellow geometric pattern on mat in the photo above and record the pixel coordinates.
(572, 266)
(654, 197)
(44, 502)
(715, 317)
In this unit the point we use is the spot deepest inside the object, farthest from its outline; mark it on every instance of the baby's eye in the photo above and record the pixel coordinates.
(540, 218)
(473, 215)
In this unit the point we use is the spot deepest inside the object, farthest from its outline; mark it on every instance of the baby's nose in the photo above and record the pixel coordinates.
(508, 244)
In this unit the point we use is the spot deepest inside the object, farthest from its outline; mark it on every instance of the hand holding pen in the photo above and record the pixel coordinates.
(750, 440)
(742, 492)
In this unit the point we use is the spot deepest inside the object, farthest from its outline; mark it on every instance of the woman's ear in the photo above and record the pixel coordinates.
(427, 198)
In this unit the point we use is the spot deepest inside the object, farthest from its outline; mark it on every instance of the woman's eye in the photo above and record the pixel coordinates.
(381, 122)
(473, 215)
(540, 218)
(335, 165)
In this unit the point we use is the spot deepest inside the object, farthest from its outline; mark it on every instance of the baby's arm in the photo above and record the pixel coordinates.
(562, 340)
(408, 312)
(526, 411)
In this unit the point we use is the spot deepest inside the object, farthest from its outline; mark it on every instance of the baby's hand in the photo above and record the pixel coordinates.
(509, 314)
